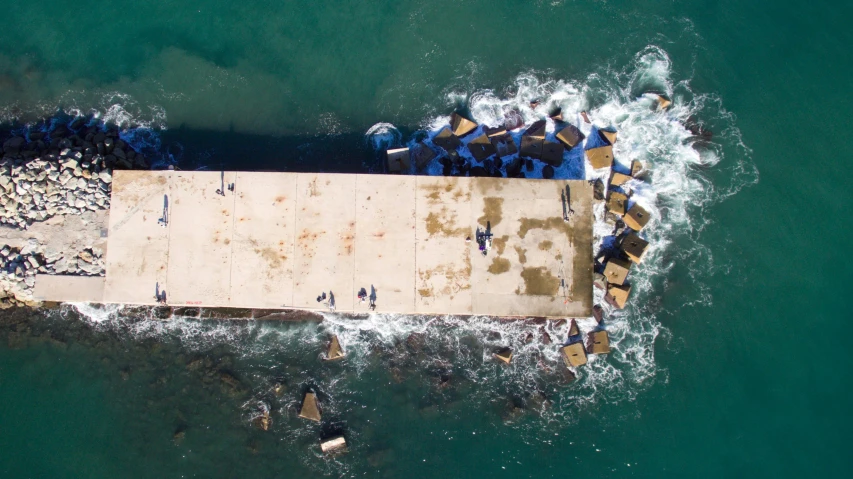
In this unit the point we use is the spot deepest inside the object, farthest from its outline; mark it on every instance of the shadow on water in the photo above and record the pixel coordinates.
(193, 149)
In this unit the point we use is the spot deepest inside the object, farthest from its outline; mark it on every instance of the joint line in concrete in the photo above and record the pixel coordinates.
(231, 244)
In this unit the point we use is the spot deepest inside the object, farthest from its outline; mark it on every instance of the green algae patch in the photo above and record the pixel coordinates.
(492, 211)
(539, 282)
(499, 265)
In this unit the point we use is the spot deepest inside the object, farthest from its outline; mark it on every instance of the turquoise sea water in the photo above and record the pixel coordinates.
(734, 358)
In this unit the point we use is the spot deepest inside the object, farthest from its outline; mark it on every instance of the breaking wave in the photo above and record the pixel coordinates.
(693, 156)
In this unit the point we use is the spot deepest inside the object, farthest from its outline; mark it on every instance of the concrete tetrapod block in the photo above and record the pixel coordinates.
(574, 355)
(536, 130)
(481, 147)
(636, 217)
(598, 313)
(460, 125)
(504, 355)
(335, 445)
(398, 160)
(599, 343)
(552, 153)
(504, 144)
(570, 136)
(422, 155)
(601, 157)
(447, 140)
(636, 168)
(608, 135)
(556, 115)
(531, 147)
(574, 330)
(496, 131)
(335, 351)
(617, 202)
(618, 179)
(617, 270)
(617, 295)
(634, 246)
(310, 410)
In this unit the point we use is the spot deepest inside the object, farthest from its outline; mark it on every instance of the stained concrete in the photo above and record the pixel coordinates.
(280, 240)
(66, 288)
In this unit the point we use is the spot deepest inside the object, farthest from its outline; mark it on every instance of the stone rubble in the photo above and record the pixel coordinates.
(64, 172)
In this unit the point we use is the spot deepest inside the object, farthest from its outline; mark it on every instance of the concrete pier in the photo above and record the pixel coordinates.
(278, 240)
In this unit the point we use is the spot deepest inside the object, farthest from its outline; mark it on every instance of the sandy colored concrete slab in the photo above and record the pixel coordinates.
(262, 247)
(385, 241)
(60, 288)
(530, 270)
(200, 235)
(282, 239)
(138, 247)
(325, 240)
(443, 262)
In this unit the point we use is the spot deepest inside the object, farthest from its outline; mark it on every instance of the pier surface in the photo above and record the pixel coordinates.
(280, 240)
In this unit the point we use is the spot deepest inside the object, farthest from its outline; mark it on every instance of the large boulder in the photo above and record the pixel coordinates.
(14, 145)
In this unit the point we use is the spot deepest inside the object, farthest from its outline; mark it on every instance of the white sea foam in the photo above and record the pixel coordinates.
(382, 135)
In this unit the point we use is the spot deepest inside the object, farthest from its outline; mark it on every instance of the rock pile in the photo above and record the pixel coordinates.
(18, 268)
(65, 171)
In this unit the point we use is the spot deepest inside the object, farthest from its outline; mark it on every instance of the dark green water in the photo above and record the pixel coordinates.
(734, 358)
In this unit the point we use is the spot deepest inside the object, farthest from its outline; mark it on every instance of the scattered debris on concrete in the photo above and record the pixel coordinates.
(398, 160)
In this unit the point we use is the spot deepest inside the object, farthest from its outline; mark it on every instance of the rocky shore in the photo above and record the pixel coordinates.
(54, 202)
